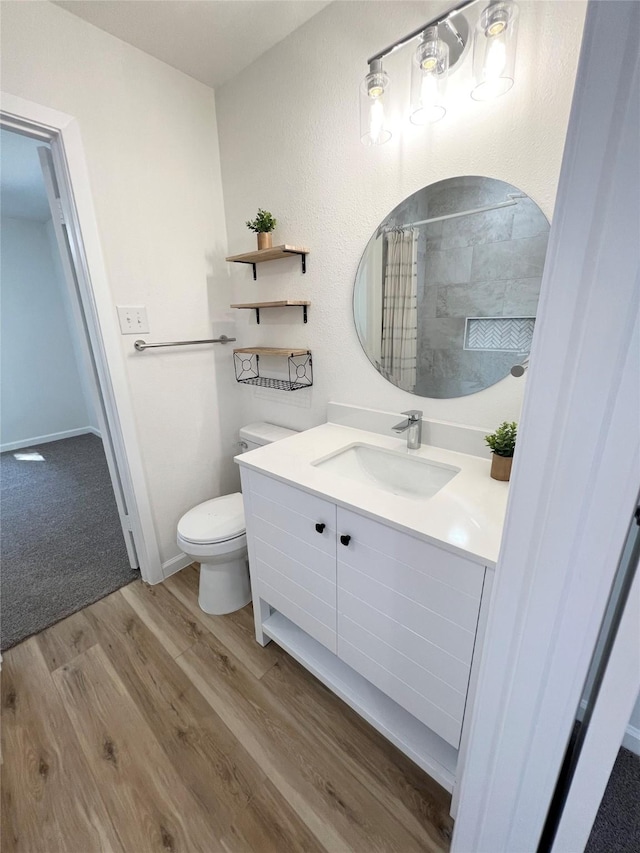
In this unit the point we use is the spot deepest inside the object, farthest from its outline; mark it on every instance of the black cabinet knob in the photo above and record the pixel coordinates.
(345, 539)
(320, 526)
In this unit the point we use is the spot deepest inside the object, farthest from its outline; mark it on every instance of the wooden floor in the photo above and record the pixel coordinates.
(142, 724)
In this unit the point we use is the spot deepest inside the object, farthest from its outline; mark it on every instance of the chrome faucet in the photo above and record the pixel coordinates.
(414, 426)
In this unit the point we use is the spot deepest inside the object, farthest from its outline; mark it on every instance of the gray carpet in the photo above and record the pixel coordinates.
(62, 546)
(617, 825)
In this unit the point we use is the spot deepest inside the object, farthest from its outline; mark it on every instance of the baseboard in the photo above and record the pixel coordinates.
(45, 439)
(94, 431)
(175, 564)
(631, 739)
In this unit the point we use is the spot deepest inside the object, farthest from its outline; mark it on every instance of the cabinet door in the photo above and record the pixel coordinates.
(407, 618)
(292, 553)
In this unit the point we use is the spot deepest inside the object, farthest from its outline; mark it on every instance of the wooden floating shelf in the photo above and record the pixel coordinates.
(275, 253)
(283, 303)
(281, 351)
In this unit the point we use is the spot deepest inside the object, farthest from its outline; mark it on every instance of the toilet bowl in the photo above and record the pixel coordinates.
(213, 534)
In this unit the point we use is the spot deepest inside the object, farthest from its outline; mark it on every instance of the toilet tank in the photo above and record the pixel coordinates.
(261, 433)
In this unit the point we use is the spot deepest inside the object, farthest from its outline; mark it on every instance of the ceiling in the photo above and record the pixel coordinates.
(211, 40)
(22, 193)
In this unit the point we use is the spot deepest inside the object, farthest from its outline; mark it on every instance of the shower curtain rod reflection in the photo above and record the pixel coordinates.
(513, 199)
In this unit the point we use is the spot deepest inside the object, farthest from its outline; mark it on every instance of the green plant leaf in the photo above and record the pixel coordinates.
(263, 223)
(503, 441)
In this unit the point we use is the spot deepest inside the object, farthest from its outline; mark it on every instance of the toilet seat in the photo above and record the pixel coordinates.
(209, 550)
(214, 521)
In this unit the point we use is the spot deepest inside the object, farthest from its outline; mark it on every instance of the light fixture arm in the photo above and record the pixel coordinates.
(453, 30)
(441, 19)
(375, 66)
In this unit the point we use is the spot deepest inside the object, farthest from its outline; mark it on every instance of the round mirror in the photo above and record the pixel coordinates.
(446, 291)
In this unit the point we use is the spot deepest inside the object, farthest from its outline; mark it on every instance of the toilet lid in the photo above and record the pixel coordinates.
(214, 521)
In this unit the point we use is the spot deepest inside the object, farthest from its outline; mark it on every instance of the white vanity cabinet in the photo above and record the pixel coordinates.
(398, 614)
(407, 619)
(292, 554)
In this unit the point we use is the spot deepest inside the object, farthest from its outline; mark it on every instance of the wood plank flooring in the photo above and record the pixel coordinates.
(143, 725)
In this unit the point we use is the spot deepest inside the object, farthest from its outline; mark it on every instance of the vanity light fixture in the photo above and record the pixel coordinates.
(429, 71)
(374, 128)
(494, 50)
(443, 44)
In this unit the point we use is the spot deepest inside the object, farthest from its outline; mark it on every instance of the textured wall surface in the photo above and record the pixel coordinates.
(150, 140)
(289, 141)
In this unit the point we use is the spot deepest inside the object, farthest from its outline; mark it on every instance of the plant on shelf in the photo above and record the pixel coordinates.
(263, 225)
(503, 444)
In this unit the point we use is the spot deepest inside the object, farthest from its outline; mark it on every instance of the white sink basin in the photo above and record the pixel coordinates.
(392, 471)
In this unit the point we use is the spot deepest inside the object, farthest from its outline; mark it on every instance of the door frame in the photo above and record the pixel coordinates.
(70, 260)
(577, 466)
(95, 300)
(611, 713)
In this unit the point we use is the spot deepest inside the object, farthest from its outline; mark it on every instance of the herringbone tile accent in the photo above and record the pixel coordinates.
(499, 334)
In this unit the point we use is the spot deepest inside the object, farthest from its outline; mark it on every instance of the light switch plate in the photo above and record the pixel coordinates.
(133, 319)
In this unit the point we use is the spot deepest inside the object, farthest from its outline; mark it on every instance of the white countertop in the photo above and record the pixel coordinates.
(466, 516)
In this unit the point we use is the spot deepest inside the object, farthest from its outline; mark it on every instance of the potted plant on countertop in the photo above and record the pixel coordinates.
(263, 225)
(503, 444)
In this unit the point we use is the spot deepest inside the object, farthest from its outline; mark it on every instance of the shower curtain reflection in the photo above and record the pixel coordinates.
(399, 308)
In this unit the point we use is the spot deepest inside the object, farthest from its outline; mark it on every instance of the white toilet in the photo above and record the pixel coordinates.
(213, 533)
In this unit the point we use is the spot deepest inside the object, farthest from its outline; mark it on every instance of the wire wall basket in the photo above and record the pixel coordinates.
(247, 369)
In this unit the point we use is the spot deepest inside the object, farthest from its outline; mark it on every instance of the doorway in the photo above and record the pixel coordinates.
(616, 828)
(66, 540)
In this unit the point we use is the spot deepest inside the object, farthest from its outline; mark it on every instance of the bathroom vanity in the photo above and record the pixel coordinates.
(372, 566)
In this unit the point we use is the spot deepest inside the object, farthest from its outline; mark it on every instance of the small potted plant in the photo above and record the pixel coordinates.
(263, 225)
(502, 443)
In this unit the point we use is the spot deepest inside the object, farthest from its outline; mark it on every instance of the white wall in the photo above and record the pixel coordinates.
(42, 393)
(86, 385)
(151, 145)
(289, 142)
